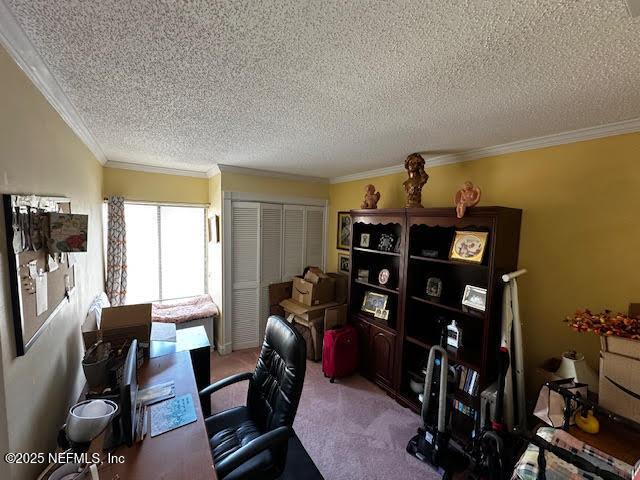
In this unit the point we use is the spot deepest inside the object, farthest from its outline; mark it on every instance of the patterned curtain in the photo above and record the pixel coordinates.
(116, 252)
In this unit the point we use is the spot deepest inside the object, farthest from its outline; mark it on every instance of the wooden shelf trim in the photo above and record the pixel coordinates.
(471, 314)
(460, 358)
(448, 262)
(379, 287)
(380, 252)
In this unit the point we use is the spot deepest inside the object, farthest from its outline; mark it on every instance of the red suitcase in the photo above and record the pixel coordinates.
(340, 352)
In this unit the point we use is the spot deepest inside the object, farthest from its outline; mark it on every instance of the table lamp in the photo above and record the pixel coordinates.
(87, 420)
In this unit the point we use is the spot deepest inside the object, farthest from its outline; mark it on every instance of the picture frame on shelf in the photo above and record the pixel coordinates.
(343, 240)
(363, 274)
(475, 298)
(373, 300)
(387, 242)
(344, 263)
(365, 240)
(434, 288)
(468, 246)
(382, 314)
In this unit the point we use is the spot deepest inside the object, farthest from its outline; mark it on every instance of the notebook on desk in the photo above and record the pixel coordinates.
(171, 414)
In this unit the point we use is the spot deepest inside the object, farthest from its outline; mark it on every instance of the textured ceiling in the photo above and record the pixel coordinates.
(329, 88)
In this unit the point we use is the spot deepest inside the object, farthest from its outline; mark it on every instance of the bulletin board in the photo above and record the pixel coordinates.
(41, 282)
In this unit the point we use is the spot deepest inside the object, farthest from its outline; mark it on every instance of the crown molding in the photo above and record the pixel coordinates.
(572, 136)
(154, 169)
(213, 171)
(221, 168)
(24, 54)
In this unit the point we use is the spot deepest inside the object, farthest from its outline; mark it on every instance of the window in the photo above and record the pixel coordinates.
(166, 254)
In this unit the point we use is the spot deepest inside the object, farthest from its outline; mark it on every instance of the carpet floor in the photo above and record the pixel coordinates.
(351, 428)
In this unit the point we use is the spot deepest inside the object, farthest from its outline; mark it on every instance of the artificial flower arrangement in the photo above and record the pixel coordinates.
(605, 323)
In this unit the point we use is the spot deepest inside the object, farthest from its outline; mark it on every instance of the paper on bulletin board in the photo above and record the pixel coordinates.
(41, 293)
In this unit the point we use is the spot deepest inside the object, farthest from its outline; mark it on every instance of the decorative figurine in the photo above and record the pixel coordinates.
(417, 178)
(384, 276)
(371, 197)
(467, 197)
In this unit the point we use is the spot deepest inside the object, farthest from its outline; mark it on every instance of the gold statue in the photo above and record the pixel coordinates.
(417, 178)
(467, 197)
(371, 197)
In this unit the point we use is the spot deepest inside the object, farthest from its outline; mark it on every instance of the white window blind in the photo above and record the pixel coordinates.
(166, 254)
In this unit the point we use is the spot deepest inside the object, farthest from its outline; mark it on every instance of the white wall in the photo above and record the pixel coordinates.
(39, 154)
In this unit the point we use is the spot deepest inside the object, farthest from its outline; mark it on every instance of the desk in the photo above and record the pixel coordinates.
(195, 341)
(615, 439)
(183, 453)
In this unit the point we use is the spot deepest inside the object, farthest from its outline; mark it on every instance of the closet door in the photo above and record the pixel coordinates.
(270, 256)
(314, 237)
(245, 254)
(293, 241)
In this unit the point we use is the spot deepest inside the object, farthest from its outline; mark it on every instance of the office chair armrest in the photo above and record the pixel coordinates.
(266, 440)
(225, 382)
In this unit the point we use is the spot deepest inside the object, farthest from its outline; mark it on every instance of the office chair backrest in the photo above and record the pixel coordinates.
(276, 386)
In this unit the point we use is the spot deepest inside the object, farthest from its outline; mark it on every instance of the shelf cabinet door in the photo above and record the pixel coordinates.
(382, 354)
(363, 347)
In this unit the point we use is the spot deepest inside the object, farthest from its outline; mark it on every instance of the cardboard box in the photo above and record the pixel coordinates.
(342, 286)
(309, 321)
(120, 324)
(620, 384)
(620, 346)
(335, 317)
(277, 293)
(315, 275)
(309, 293)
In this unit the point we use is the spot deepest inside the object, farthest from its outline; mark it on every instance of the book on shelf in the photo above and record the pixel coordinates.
(465, 409)
(469, 380)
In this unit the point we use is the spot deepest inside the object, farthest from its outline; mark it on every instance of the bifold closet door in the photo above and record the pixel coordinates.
(270, 256)
(245, 308)
(293, 233)
(314, 237)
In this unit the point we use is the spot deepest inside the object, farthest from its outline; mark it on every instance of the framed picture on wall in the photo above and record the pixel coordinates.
(344, 263)
(343, 241)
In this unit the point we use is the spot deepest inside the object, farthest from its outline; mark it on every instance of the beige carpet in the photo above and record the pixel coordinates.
(351, 429)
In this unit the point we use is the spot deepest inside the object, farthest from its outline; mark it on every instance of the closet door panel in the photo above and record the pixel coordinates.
(245, 243)
(294, 240)
(244, 318)
(270, 256)
(314, 236)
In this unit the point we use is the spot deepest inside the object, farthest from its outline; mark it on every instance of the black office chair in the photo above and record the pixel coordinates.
(250, 442)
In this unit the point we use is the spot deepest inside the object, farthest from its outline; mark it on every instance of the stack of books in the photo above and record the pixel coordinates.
(469, 381)
(467, 410)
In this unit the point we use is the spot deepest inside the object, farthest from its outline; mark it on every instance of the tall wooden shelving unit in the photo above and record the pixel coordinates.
(393, 348)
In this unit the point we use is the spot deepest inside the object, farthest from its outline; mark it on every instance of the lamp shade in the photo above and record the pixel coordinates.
(574, 366)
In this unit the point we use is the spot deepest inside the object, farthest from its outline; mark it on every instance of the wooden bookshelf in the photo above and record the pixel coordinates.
(391, 349)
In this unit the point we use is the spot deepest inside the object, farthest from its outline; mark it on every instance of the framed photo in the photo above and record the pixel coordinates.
(343, 241)
(344, 263)
(363, 274)
(382, 314)
(475, 297)
(373, 300)
(434, 287)
(365, 239)
(468, 246)
(387, 242)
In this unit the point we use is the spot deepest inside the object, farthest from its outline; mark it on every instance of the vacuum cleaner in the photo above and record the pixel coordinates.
(433, 444)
